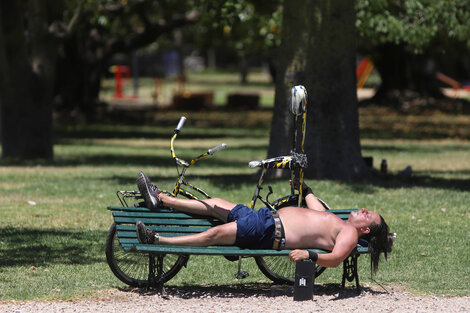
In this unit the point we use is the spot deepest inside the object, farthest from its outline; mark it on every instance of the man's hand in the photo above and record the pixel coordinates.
(298, 255)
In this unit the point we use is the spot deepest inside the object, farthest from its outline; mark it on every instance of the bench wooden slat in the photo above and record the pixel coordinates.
(173, 215)
(361, 250)
(128, 209)
(131, 209)
(343, 216)
(132, 235)
(133, 242)
(160, 221)
(215, 250)
(223, 250)
(131, 238)
(162, 229)
(146, 213)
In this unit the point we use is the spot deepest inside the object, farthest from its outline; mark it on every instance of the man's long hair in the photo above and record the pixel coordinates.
(379, 241)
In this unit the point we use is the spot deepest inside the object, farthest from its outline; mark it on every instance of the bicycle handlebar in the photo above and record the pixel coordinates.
(180, 124)
(183, 162)
(217, 149)
(291, 161)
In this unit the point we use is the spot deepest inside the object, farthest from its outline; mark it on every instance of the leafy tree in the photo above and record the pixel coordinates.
(409, 40)
(245, 28)
(416, 24)
(58, 50)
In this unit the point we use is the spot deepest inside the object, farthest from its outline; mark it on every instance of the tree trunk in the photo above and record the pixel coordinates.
(3, 66)
(243, 67)
(401, 70)
(318, 51)
(27, 93)
(77, 85)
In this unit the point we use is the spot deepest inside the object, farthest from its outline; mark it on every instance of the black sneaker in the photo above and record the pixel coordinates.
(144, 234)
(148, 191)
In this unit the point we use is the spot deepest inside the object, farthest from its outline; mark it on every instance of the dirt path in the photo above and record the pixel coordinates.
(259, 298)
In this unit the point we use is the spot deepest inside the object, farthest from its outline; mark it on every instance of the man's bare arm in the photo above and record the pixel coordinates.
(313, 203)
(345, 243)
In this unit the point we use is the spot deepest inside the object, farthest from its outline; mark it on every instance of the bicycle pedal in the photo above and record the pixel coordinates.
(241, 275)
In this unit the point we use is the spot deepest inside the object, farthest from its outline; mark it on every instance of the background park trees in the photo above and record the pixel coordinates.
(410, 40)
(54, 54)
(60, 51)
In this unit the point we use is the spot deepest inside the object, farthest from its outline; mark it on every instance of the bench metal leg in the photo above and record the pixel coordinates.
(155, 277)
(350, 271)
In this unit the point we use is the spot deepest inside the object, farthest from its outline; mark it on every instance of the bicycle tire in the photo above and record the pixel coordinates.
(133, 268)
(280, 269)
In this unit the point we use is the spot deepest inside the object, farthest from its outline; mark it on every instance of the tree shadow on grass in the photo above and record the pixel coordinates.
(234, 181)
(415, 148)
(107, 159)
(388, 182)
(226, 181)
(415, 180)
(63, 134)
(43, 247)
(373, 133)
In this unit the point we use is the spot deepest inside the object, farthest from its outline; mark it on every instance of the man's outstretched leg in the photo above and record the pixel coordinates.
(224, 234)
(154, 198)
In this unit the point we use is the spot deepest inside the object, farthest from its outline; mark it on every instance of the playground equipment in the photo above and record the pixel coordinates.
(122, 74)
(456, 85)
(363, 71)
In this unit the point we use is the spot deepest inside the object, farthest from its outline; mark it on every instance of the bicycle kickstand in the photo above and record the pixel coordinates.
(241, 274)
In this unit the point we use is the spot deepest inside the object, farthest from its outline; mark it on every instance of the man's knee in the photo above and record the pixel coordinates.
(213, 201)
(224, 234)
(214, 204)
(213, 235)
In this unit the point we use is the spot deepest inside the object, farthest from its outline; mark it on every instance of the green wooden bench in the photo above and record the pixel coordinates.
(151, 265)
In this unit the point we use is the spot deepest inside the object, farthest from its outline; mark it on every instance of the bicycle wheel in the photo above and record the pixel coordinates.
(133, 268)
(280, 269)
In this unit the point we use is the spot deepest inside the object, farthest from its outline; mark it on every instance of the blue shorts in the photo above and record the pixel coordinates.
(255, 229)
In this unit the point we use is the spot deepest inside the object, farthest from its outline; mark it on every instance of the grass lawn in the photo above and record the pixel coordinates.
(54, 217)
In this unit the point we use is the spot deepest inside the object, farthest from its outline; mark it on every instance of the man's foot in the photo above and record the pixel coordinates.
(148, 191)
(144, 234)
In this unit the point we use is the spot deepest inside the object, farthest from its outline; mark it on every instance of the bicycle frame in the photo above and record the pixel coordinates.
(296, 162)
(302, 109)
(177, 189)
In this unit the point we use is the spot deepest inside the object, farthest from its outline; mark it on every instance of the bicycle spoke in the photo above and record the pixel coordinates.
(278, 269)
